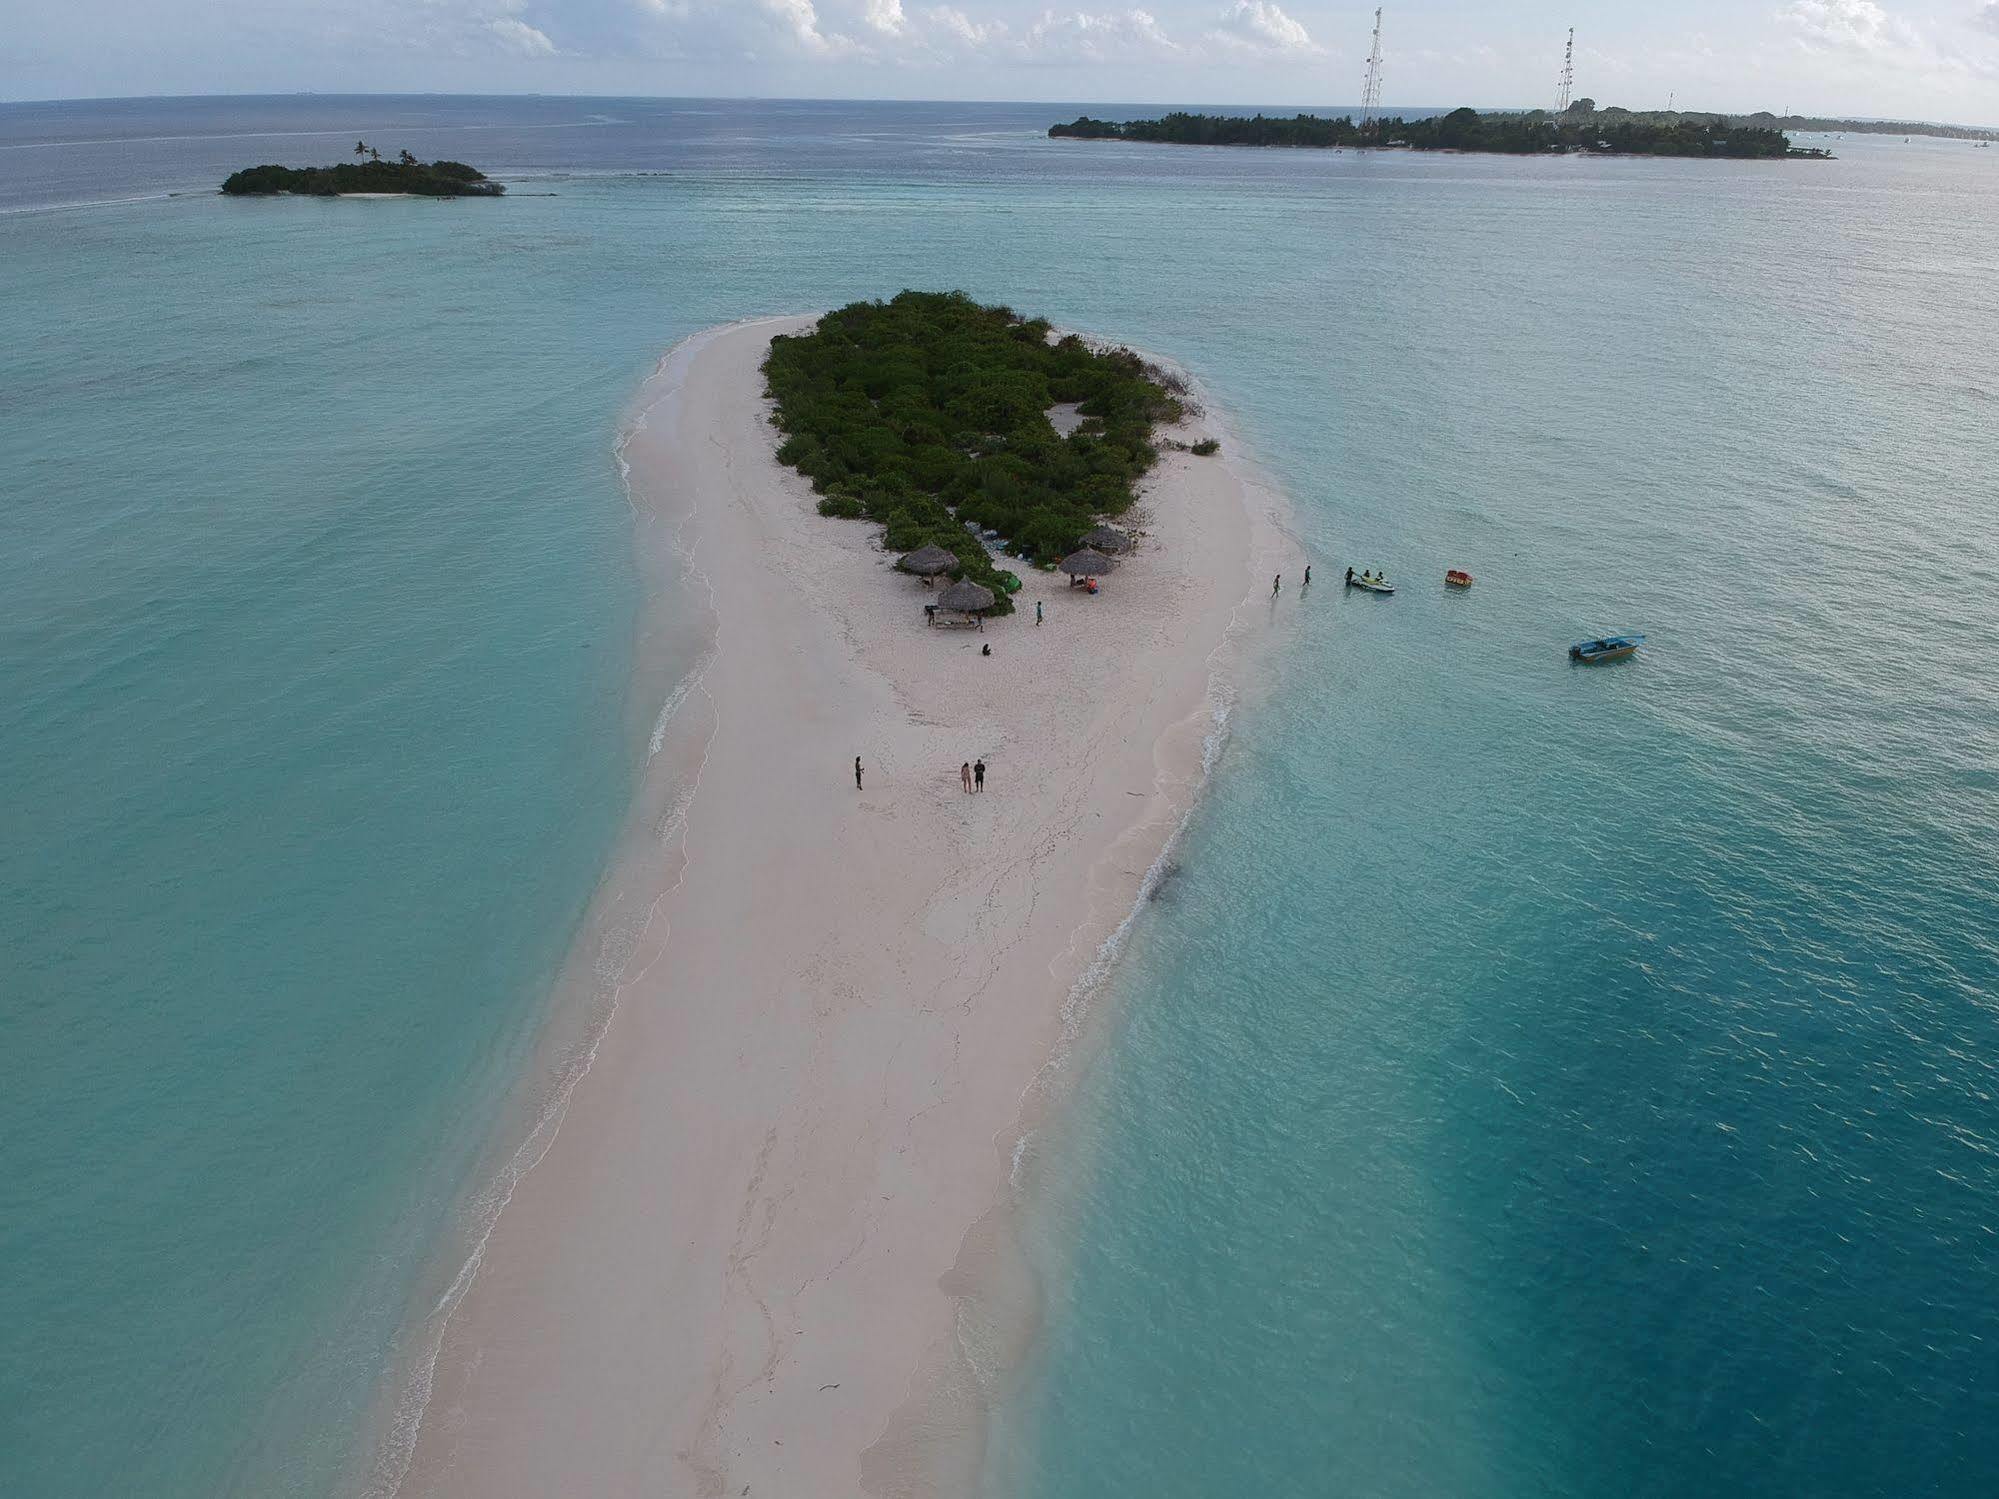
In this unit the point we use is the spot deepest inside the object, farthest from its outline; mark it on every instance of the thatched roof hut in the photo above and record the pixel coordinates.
(928, 561)
(1107, 539)
(966, 597)
(1088, 563)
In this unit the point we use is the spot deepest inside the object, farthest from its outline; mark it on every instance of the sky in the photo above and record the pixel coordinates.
(1926, 59)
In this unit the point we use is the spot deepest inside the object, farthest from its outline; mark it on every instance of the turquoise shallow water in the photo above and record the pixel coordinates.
(1533, 1080)
(1540, 1080)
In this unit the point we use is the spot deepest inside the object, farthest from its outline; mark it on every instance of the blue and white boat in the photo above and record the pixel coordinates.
(1609, 648)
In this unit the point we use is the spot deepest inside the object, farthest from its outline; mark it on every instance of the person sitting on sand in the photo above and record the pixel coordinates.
(985, 650)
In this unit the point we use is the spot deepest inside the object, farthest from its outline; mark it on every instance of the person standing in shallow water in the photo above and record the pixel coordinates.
(857, 772)
(965, 774)
(1308, 577)
(979, 774)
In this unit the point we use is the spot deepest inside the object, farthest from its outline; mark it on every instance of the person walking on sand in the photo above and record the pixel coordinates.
(857, 772)
(1308, 577)
(979, 774)
(965, 774)
(1275, 584)
(1037, 611)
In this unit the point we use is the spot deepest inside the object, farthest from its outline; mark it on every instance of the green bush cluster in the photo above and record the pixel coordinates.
(1460, 130)
(930, 410)
(1207, 447)
(429, 179)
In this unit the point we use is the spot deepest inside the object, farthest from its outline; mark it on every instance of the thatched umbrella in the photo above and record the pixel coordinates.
(1087, 563)
(1107, 539)
(966, 597)
(928, 561)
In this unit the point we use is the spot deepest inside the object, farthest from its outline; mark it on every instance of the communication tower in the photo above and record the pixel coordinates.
(1370, 94)
(1568, 75)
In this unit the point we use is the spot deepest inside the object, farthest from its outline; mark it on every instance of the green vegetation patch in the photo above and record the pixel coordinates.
(929, 411)
(426, 179)
(1580, 129)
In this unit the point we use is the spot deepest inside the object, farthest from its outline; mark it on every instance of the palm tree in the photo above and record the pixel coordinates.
(407, 159)
(360, 148)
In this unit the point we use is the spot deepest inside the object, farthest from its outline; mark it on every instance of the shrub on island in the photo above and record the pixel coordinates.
(929, 413)
(424, 179)
(1581, 128)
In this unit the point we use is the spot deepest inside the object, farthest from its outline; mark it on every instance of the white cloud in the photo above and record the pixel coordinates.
(1988, 16)
(917, 33)
(1097, 37)
(799, 20)
(1862, 32)
(756, 32)
(518, 36)
(1856, 26)
(961, 28)
(1261, 26)
(886, 17)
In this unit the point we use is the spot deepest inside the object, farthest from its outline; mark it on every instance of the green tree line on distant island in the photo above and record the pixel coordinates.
(371, 174)
(1827, 125)
(1581, 128)
(930, 410)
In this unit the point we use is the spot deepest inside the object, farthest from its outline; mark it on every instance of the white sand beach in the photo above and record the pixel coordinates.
(739, 1266)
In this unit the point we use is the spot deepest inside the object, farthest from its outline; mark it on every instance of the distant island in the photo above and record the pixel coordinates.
(1821, 125)
(1582, 128)
(930, 411)
(1764, 120)
(403, 176)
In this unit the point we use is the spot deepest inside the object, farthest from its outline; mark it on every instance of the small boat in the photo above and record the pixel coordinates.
(1610, 648)
(1371, 583)
(1457, 578)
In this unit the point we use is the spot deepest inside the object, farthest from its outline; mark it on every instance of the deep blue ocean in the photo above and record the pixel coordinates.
(1531, 1080)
